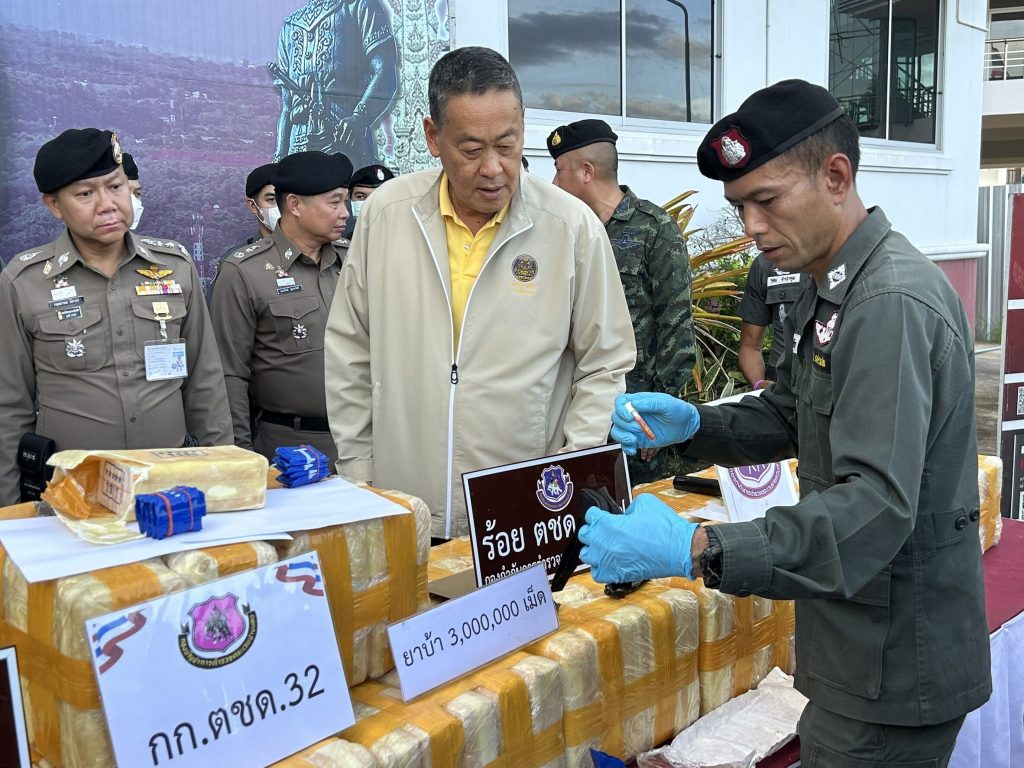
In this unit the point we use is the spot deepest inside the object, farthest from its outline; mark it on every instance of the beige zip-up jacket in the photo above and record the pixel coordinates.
(546, 344)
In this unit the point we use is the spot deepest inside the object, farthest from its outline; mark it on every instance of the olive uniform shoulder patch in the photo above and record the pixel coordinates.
(34, 257)
(166, 246)
(261, 245)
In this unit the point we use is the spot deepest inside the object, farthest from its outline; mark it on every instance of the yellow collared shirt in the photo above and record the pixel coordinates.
(466, 252)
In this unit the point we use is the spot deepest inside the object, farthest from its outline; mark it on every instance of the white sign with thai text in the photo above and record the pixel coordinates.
(444, 643)
(244, 670)
(749, 492)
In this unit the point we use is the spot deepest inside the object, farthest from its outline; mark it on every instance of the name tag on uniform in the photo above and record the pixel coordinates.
(58, 294)
(287, 285)
(69, 314)
(69, 302)
(783, 279)
(166, 360)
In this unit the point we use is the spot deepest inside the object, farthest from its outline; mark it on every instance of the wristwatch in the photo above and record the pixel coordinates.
(711, 559)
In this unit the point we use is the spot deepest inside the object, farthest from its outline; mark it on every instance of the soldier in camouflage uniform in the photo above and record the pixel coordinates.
(653, 265)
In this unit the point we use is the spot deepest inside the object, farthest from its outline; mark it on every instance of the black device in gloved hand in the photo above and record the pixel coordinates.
(600, 498)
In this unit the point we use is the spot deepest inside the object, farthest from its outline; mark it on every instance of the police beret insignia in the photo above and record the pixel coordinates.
(380, 174)
(767, 124)
(115, 148)
(732, 148)
(556, 139)
(582, 133)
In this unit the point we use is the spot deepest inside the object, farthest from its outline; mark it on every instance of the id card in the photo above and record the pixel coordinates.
(166, 360)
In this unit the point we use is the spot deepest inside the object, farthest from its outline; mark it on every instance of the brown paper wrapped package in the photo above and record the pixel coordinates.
(231, 479)
(370, 579)
(629, 667)
(507, 715)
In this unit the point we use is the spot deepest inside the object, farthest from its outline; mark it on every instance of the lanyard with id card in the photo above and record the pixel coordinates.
(165, 358)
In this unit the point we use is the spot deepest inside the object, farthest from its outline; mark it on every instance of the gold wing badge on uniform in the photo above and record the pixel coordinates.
(153, 273)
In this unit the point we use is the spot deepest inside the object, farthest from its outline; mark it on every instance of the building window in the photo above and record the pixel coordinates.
(883, 66)
(569, 57)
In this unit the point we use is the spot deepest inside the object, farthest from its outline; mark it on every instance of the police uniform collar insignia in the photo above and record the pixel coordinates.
(836, 276)
(556, 139)
(288, 253)
(115, 147)
(48, 268)
(269, 267)
(29, 256)
(824, 331)
(732, 148)
(239, 254)
(153, 273)
(63, 259)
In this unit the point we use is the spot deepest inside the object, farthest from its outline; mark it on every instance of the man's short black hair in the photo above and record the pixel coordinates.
(838, 136)
(474, 70)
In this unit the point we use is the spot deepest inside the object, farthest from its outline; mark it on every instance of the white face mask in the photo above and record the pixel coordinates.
(270, 217)
(357, 207)
(137, 210)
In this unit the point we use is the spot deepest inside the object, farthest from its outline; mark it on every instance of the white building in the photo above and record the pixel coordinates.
(908, 71)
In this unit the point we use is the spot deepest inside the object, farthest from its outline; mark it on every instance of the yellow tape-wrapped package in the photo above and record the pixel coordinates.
(198, 566)
(507, 715)
(331, 753)
(46, 621)
(990, 487)
(452, 557)
(741, 639)
(375, 573)
(94, 492)
(629, 668)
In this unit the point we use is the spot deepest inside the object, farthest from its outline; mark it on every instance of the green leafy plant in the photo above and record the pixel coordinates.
(719, 261)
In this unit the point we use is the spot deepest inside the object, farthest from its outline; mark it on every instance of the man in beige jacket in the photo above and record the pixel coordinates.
(479, 319)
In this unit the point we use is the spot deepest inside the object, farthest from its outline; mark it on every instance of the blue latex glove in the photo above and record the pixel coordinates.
(649, 541)
(671, 420)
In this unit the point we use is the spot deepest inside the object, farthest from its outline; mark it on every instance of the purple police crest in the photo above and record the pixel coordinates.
(554, 489)
(216, 624)
(757, 480)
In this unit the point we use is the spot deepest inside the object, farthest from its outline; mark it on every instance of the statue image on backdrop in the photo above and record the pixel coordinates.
(337, 68)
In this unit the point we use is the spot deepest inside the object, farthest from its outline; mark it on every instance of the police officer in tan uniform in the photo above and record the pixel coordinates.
(271, 305)
(109, 329)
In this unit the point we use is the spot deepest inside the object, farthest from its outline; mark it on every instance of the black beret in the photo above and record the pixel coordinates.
(370, 176)
(311, 173)
(131, 170)
(258, 179)
(78, 153)
(566, 138)
(768, 123)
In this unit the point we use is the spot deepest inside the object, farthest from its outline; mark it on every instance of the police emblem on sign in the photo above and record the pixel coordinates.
(524, 268)
(554, 489)
(218, 631)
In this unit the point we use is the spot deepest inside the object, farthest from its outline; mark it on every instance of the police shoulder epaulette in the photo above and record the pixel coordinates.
(244, 252)
(26, 259)
(166, 246)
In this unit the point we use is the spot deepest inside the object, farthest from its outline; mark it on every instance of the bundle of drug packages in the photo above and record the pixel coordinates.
(198, 566)
(990, 487)
(375, 573)
(741, 639)
(46, 622)
(629, 667)
(331, 753)
(93, 492)
(506, 714)
(451, 557)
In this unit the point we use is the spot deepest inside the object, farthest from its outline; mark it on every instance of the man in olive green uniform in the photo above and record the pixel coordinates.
(875, 396)
(262, 203)
(110, 330)
(270, 309)
(653, 265)
(768, 297)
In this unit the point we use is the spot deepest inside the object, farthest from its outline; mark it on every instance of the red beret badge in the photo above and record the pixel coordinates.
(732, 148)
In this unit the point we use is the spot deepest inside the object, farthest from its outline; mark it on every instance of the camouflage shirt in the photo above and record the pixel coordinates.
(655, 271)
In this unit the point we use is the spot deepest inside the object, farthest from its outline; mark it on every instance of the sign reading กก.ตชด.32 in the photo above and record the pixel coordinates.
(244, 670)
